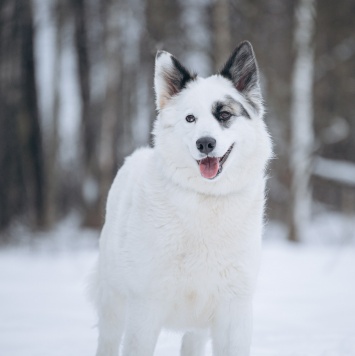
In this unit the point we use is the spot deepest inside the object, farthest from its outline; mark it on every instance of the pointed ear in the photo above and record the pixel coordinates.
(170, 78)
(242, 69)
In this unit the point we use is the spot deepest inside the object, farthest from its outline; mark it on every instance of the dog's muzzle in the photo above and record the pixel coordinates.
(211, 167)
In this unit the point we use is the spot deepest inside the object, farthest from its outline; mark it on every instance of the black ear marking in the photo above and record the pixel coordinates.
(241, 68)
(170, 78)
(177, 77)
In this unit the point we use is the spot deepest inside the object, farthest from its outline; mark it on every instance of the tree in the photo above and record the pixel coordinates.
(22, 182)
(302, 135)
(57, 13)
(222, 32)
(111, 121)
(89, 124)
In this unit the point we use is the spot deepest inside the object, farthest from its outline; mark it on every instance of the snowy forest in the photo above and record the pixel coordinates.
(77, 97)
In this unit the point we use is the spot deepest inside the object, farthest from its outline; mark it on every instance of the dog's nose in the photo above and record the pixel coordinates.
(206, 144)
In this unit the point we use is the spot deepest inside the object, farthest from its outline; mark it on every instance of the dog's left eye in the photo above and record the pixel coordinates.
(190, 118)
(224, 116)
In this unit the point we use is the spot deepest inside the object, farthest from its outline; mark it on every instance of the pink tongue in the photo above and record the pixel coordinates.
(209, 167)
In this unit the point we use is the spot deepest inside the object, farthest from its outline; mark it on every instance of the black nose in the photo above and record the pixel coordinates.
(206, 144)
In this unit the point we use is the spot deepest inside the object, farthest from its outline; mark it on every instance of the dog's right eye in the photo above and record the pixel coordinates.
(224, 116)
(190, 118)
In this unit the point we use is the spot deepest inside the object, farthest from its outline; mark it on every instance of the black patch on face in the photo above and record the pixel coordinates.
(231, 106)
(177, 78)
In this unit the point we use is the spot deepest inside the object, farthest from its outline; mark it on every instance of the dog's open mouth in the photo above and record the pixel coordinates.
(211, 167)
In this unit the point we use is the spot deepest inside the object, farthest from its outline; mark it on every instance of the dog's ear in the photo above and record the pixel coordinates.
(170, 78)
(242, 69)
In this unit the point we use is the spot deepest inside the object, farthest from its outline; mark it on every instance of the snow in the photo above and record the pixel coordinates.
(330, 228)
(305, 302)
(304, 306)
(43, 309)
(335, 170)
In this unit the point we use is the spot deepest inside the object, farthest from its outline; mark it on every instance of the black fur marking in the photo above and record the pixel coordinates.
(231, 106)
(245, 113)
(177, 78)
(241, 68)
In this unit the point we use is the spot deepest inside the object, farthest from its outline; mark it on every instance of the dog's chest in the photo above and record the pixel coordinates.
(192, 252)
(204, 275)
(209, 262)
(206, 258)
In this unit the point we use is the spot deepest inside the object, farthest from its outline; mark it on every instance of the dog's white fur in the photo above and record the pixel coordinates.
(178, 250)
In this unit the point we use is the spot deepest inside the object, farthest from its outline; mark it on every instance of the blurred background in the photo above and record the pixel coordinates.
(76, 97)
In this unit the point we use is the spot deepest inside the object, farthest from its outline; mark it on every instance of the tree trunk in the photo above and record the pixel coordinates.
(89, 124)
(111, 121)
(221, 33)
(22, 183)
(302, 135)
(52, 169)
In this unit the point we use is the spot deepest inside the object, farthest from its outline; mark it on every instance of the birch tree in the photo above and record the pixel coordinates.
(52, 146)
(302, 135)
(110, 12)
(89, 126)
(222, 32)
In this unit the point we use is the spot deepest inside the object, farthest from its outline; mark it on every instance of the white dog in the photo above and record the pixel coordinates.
(180, 247)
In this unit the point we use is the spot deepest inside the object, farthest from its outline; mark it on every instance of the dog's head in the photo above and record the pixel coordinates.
(209, 133)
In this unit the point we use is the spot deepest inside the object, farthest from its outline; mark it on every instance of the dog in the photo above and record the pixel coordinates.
(181, 243)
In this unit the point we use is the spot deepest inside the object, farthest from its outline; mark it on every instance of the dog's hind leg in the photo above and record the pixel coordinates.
(111, 325)
(194, 343)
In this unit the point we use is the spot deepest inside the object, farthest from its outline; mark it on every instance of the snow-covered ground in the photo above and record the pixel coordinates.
(304, 306)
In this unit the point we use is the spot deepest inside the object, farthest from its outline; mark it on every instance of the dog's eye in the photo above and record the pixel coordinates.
(224, 115)
(190, 118)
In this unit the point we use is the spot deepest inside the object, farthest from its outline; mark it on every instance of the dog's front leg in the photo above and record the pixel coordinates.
(143, 325)
(232, 328)
(193, 343)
